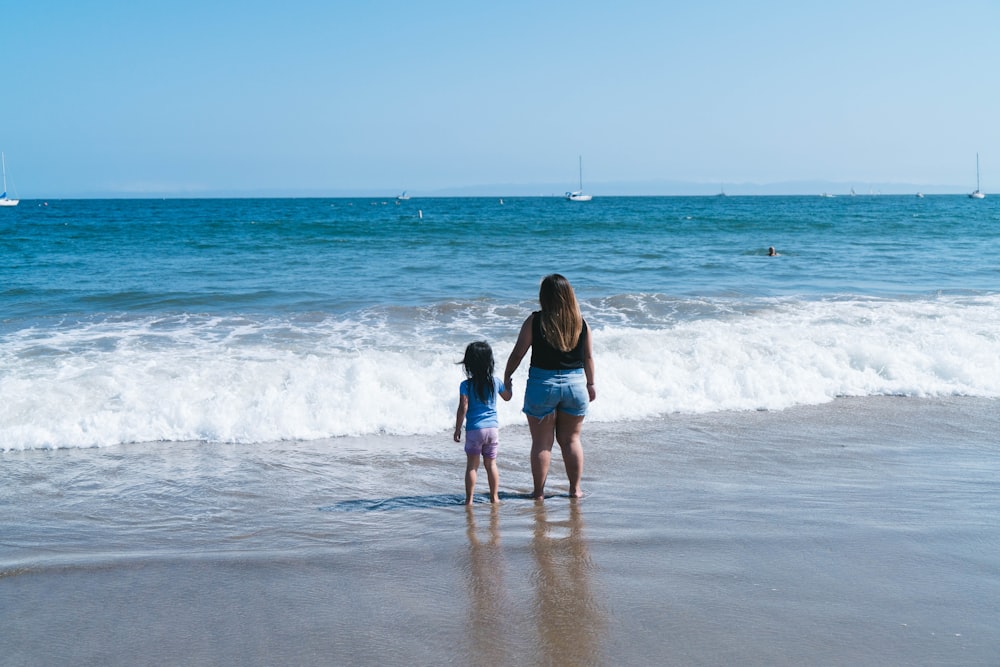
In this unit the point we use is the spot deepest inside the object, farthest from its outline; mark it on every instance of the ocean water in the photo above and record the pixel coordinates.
(249, 321)
(225, 433)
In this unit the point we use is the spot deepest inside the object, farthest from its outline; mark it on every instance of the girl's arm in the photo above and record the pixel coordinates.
(463, 407)
(520, 349)
(588, 365)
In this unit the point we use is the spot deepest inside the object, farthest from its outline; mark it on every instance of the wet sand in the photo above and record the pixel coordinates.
(860, 532)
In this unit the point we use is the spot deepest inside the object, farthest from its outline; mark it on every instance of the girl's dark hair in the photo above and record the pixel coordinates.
(478, 362)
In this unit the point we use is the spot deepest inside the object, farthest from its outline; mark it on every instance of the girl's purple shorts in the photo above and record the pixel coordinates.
(482, 441)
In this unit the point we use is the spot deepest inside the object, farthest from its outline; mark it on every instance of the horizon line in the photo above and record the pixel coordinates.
(649, 188)
(385, 199)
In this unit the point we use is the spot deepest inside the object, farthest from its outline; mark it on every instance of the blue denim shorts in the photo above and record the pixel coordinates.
(547, 391)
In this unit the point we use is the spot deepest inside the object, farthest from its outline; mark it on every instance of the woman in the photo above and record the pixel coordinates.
(560, 380)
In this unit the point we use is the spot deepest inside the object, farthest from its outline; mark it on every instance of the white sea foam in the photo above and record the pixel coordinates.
(393, 370)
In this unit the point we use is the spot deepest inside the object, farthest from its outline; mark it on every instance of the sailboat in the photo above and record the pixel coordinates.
(4, 200)
(977, 194)
(578, 195)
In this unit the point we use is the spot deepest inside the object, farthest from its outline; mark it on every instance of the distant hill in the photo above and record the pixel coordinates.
(684, 188)
(598, 189)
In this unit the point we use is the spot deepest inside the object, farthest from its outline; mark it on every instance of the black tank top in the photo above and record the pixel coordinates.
(544, 355)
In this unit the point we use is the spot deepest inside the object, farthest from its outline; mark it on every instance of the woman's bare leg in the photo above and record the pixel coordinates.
(542, 438)
(568, 428)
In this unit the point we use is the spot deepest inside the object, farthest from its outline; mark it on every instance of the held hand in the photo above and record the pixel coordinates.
(508, 390)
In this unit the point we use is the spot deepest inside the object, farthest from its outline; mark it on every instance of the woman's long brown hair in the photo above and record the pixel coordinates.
(561, 319)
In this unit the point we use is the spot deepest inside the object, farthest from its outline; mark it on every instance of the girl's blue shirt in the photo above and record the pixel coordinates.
(481, 414)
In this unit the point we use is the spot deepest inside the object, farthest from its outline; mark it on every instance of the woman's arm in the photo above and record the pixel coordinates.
(588, 365)
(520, 349)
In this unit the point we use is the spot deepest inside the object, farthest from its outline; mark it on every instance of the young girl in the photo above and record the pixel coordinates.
(477, 401)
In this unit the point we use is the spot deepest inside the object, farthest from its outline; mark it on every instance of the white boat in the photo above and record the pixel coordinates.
(403, 196)
(578, 195)
(827, 195)
(977, 193)
(4, 200)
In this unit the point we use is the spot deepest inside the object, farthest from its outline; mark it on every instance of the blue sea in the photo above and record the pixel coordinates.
(256, 320)
(225, 432)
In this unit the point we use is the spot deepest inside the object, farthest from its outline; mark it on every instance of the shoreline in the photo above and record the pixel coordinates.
(857, 532)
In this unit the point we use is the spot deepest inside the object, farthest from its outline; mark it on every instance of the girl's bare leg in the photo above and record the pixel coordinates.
(568, 429)
(542, 438)
(493, 476)
(471, 465)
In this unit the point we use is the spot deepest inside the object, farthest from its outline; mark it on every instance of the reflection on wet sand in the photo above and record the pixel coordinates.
(489, 610)
(571, 623)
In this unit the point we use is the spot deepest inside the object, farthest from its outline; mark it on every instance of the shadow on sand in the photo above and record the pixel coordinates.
(419, 502)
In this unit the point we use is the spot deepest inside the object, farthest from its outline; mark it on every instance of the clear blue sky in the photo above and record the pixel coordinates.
(181, 98)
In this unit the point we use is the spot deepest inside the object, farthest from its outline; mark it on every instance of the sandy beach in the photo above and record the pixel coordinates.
(859, 532)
